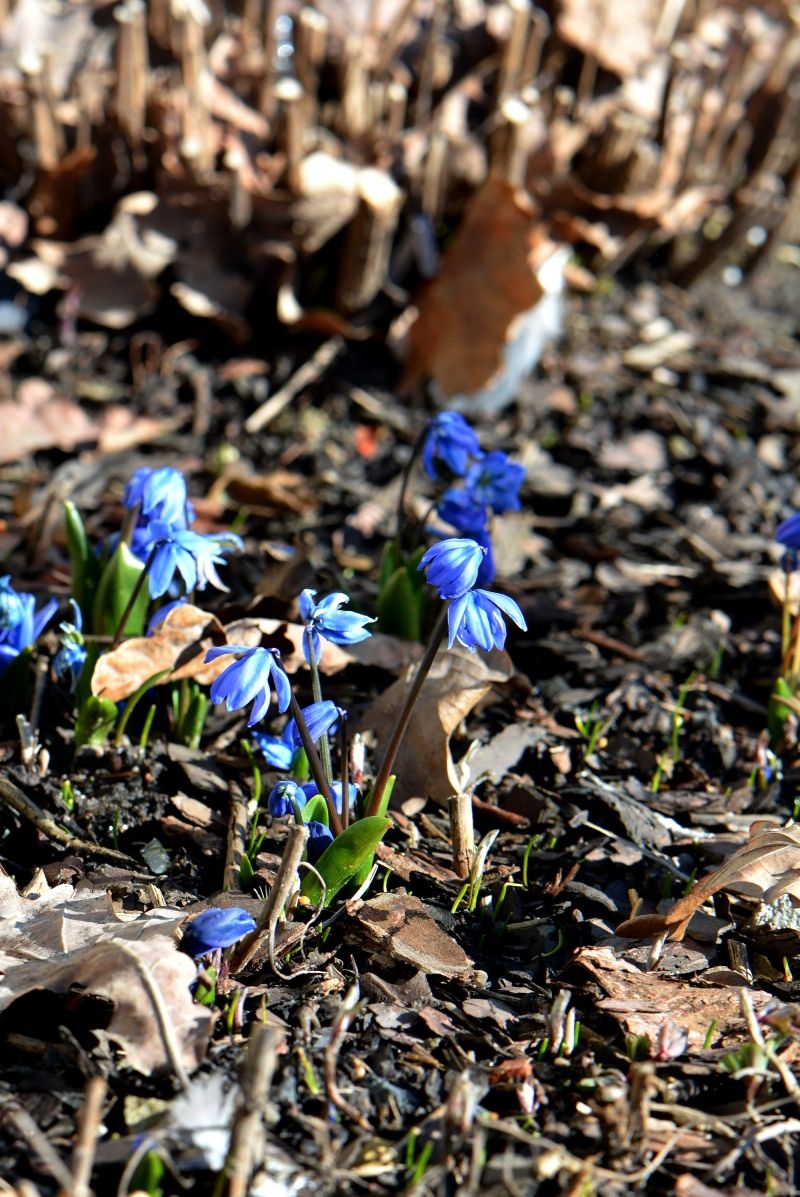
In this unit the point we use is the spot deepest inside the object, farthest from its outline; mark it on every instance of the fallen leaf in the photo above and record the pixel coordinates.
(400, 926)
(456, 683)
(39, 417)
(179, 644)
(645, 1002)
(767, 866)
(620, 37)
(487, 283)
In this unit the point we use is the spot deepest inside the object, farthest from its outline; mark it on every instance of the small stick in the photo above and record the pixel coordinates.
(434, 180)
(267, 98)
(196, 144)
(391, 39)
(247, 1134)
(354, 120)
(433, 39)
(24, 1126)
(237, 839)
(133, 70)
(462, 833)
(395, 106)
(514, 52)
(289, 93)
(309, 372)
(47, 136)
(342, 1021)
(272, 911)
(311, 43)
(18, 801)
(368, 242)
(87, 1135)
(533, 55)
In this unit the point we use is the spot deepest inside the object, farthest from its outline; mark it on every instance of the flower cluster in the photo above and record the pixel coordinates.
(163, 538)
(490, 482)
(20, 622)
(475, 617)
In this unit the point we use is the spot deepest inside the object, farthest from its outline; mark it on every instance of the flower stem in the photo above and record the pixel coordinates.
(316, 693)
(423, 669)
(315, 765)
(401, 498)
(344, 751)
(137, 590)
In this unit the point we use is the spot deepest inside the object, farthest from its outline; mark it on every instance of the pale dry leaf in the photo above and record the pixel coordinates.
(456, 684)
(767, 866)
(401, 926)
(179, 644)
(105, 969)
(39, 417)
(644, 1002)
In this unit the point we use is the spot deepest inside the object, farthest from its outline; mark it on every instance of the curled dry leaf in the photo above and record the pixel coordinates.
(181, 640)
(38, 417)
(456, 684)
(400, 926)
(179, 644)
(768, 865)
(64, 937)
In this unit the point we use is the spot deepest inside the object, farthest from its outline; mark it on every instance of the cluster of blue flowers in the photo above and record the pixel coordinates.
(490, 483)
(163, 537)
(475, 617)
(20, 623)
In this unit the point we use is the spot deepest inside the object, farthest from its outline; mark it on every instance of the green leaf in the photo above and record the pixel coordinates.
(399, 606)
(96, 719)
(84, 688)
(778, 712)
(85, 565)
(246, 872)
(345, 858)
(316, 808)
(390, 561)
(134, 699)
(114, 590)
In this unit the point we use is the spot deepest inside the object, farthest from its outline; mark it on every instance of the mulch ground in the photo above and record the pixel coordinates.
(512, 1043)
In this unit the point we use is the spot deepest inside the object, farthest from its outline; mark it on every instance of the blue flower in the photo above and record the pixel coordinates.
(12, 608)
(324, 619)
(449, 440)
(16, 637)
(788, 533)
(464, 511)
(248, 678)
(280, 804)
(277, 751)
(476, 619)
(488, 569)
(215, 928)
(495, 481)
(159, 494)
(68, 661)
(320, 718)
(310, 788)
(181, 551)
(452, 566)
(319, 837)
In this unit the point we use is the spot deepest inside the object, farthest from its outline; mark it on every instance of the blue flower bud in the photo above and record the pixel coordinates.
(280, 804)
(319, 837)
(452, 566)
(217, 927)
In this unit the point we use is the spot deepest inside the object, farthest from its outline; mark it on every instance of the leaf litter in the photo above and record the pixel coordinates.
(421, 1039)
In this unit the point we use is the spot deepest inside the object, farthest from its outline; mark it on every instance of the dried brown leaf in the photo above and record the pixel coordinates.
(768, 864)
(41, 418)
(456, 683)
(179, 644)
(619, 36)
(401, 926)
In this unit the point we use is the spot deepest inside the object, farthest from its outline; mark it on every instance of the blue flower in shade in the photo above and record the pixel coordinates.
(787, 534)
(460, 508)
(320, 718)
(325, 619)
(179, 551)
(12, 608)
(68, 661)
(495, 481)
(277, 751)
(215, 928)
(449, 440)
(248, 679)
(452, 566)
(487, 571)
(319, 837)
(477, 620)
(159, 494)
(310, 788)
(16, 637)
(280, 804)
